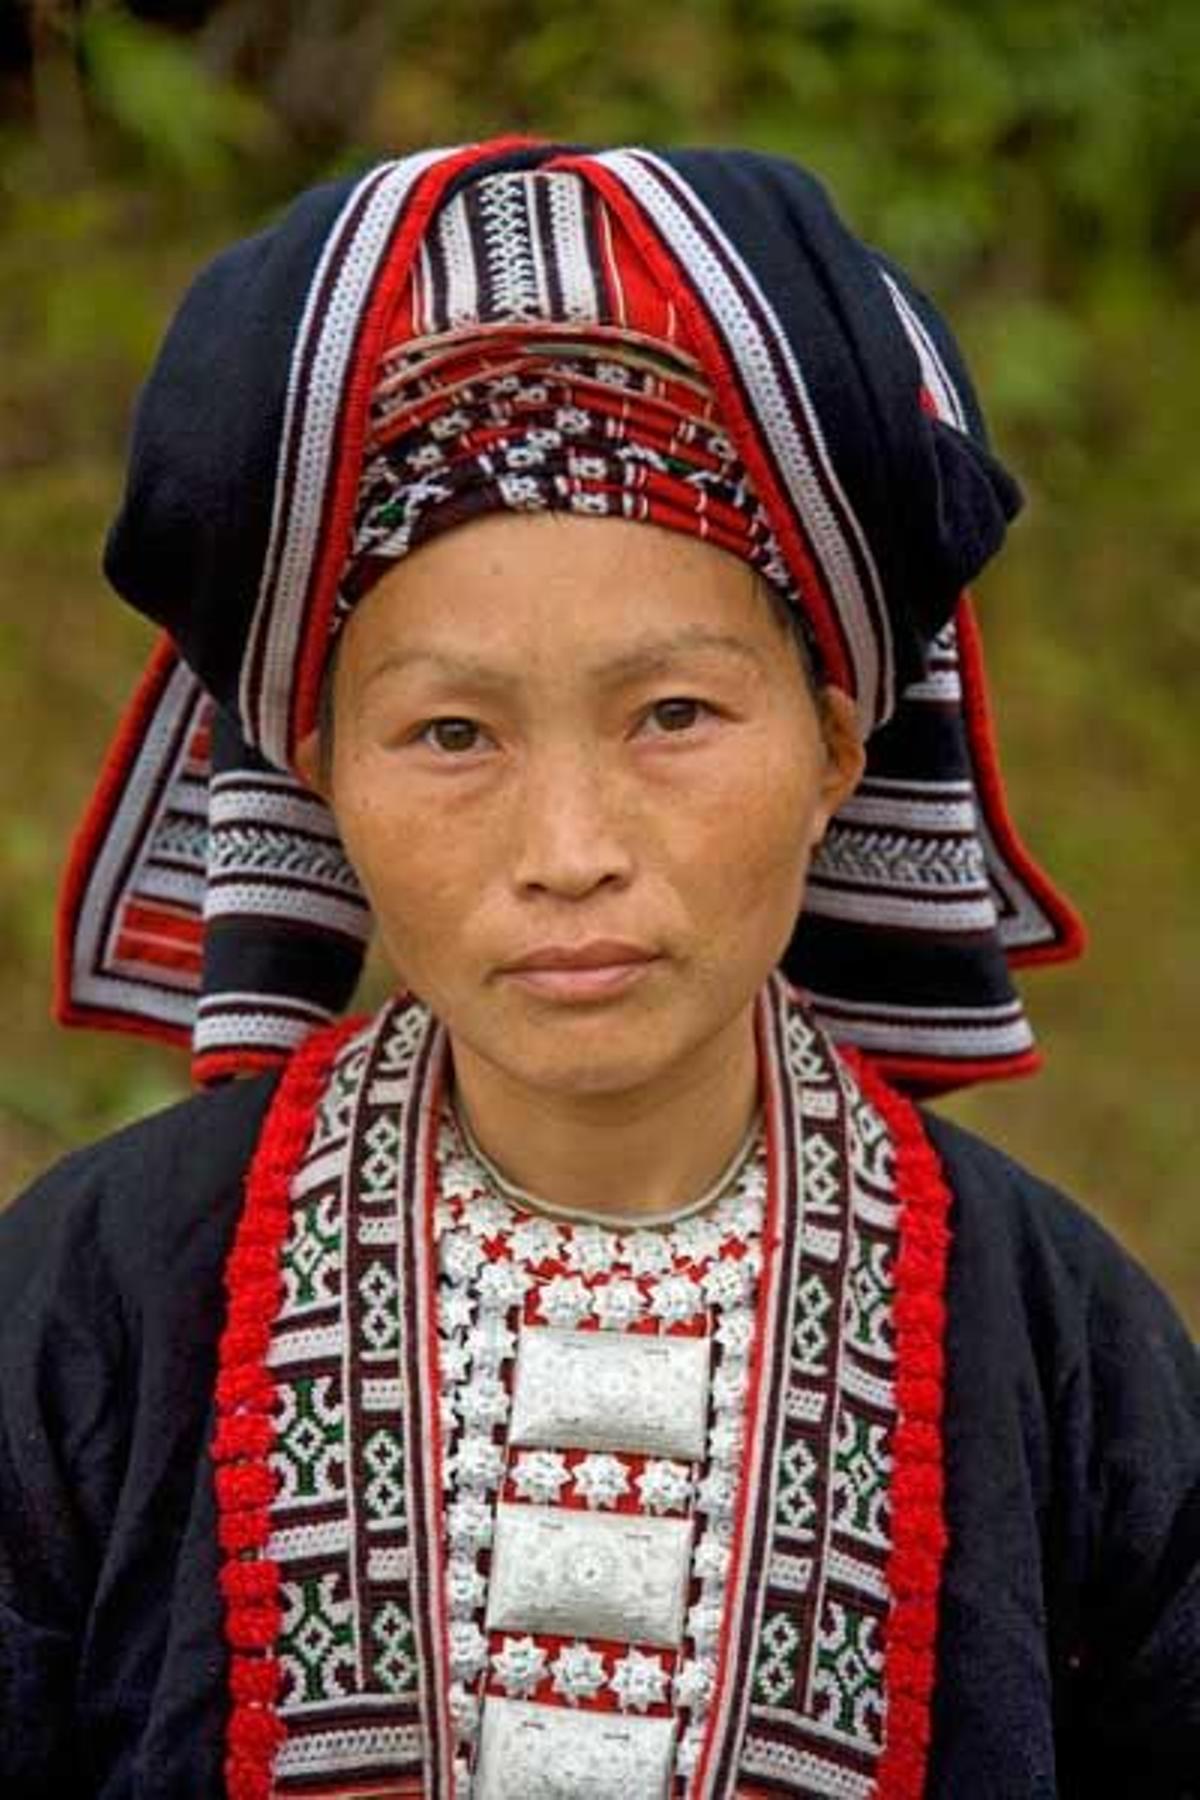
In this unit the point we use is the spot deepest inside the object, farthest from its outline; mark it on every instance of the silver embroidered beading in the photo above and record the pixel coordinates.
(594, 1384)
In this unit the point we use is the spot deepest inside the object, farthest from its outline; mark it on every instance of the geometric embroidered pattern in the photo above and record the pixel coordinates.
(818, 1673)
(339, 1515)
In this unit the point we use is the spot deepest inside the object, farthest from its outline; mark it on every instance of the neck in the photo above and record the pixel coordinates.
(629, 1154)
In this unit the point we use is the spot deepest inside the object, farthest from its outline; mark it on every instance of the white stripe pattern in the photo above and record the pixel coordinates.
(934, 372)
(180, 707)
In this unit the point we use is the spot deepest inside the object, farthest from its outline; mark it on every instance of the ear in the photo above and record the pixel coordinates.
(310, 765)
(845, 755)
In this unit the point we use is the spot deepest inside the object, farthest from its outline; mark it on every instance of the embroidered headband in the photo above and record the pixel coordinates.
(537, 420)
(207, 897)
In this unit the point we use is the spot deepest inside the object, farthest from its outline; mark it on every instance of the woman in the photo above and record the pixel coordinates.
(591, 1376)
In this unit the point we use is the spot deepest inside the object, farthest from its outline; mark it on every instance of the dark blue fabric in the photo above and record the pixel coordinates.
(188, 545)
(1069, 1652)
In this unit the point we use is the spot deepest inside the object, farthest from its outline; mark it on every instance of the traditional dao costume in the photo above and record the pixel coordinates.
(331, 1464)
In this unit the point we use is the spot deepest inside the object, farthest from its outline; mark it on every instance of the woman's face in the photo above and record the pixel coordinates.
(557, 735)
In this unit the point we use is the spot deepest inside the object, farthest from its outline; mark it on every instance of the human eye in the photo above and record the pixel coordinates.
(451, 736)
(676, 715)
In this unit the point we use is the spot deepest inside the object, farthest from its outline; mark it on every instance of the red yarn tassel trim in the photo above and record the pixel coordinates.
(241, 1445)
(918, 1516)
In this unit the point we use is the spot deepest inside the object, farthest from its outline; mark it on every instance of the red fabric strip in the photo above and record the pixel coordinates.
(245, 1429)
(1070, 940)
(918, 1512)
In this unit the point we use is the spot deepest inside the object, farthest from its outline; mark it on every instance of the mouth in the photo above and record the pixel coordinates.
(597, 971)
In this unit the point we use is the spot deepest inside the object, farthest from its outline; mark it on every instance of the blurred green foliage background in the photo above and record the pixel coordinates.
(1036, 163)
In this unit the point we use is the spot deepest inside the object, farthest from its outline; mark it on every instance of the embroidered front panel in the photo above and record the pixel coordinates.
(742, 1616)
(349, 1698)
(816, 1717)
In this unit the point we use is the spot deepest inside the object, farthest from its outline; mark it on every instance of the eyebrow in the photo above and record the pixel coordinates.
(646, 656)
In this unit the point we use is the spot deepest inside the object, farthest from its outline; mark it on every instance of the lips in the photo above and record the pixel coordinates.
(603, 953)
(576, 973)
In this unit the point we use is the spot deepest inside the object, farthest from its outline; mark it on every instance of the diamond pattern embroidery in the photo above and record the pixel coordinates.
(775, 1671)
(848, 1672)
(311, 1440)
(384, 1457)
(317, 1640)
(810, 1332)
(395, 1661)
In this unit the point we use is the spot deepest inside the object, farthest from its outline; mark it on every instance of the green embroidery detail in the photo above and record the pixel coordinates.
(317, 1646)
(848, 1672)
(810, 1333)
(775, 1669)
(380, 1167)
(869, 1320)
(796, 1506)
(312, 1258)
(312, 1439)
(861, 1468)
(395, 1661)
(383, 1454)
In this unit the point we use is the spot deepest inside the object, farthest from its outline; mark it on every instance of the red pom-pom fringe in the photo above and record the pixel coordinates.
(244, 1433)
(918, 1515)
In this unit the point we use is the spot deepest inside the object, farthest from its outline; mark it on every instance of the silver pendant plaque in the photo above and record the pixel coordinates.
(532, 1752)
(606, 1390)
(584, 1574)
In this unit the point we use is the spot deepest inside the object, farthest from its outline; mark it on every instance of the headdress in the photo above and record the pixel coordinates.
(208, 899)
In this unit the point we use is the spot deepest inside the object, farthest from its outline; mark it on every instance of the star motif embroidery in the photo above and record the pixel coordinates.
(601, 1480)
(646, 1252)
(465, 1587)
(676, 1299)
(459, 1255)
(534, 1241)
(693, 1683)
(617, 1304)
(725, 1440)
(483, 1402)
(469, 1522)
(539, 1474)
(727, 1283)
(590, 1249)
(491, 1342)
(464, 1710)
(578, 1673)
(453, 1360)
(468, 1649)
(664, 1486)
(639, 1681)
(501, 1285)
(564, 1301)
(696, 1239)
(456, 1308)
(520, 1666)
(478, 1463)
(735, 1332)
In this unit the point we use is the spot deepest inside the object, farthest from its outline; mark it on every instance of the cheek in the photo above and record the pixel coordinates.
(415, 868)
(752, 833)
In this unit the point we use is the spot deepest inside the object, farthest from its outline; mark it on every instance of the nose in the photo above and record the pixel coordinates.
(571, 831)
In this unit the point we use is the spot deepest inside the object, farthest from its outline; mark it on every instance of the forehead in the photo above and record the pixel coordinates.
(604, 593)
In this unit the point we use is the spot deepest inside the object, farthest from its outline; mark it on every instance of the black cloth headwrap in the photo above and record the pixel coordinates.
(850, 407)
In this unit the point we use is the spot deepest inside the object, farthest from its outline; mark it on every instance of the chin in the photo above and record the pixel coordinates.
(582, 1051)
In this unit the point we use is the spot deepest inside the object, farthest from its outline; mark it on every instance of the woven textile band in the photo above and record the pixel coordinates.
(530, 423)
